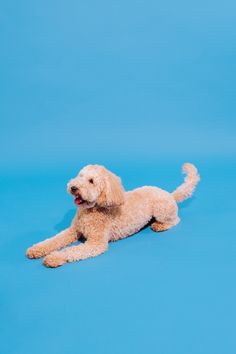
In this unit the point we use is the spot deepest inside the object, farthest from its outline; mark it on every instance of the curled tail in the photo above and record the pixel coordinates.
(186, 189)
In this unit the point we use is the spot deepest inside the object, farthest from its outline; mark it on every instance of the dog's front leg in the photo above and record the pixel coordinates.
(62, 239)
(75, 253)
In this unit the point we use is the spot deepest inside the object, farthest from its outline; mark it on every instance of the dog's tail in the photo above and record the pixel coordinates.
(191, 179)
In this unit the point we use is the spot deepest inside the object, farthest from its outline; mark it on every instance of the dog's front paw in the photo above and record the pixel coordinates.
(36, 252)
(55, 259)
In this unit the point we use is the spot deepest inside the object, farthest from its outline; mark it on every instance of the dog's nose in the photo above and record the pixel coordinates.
(74, 189)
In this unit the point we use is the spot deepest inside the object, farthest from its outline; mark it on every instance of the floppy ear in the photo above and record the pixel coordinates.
(113, 193)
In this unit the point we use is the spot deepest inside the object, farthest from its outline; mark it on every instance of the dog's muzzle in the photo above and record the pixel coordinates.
(78, 199)
(73, 189)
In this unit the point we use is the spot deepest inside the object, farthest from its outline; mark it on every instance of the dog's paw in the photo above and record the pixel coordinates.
(35, 252)
(55, 259)
(159, 227)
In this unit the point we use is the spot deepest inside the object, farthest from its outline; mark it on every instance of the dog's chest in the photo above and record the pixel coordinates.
(89, 223)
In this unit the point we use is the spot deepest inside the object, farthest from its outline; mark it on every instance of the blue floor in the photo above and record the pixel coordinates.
(168, 293)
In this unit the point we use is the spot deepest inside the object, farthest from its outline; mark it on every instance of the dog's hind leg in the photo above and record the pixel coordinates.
(158, 226)
(166, 216)
(45, 247)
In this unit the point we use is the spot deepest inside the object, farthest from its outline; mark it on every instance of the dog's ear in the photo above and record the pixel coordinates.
(113, 193)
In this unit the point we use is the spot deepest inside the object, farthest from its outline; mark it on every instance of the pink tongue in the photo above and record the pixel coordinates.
(77, 200)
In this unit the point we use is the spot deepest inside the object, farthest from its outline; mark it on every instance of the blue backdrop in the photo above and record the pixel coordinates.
(141, 87)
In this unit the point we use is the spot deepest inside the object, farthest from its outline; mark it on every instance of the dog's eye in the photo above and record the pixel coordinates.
(91, 180)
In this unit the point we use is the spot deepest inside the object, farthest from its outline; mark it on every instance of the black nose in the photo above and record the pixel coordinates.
(73, 189)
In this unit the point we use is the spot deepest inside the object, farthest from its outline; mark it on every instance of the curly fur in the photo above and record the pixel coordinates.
(108, 213)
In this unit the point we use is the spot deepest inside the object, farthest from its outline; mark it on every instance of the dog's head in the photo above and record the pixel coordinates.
(96, 186)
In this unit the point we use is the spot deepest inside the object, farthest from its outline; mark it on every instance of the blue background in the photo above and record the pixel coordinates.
(141, 87)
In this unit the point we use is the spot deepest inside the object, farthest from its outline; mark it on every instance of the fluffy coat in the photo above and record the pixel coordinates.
(107, 213)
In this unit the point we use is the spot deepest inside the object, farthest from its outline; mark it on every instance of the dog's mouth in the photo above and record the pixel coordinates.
(79, 200)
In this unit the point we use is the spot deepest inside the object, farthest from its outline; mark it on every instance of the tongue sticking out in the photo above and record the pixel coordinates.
(78, 200)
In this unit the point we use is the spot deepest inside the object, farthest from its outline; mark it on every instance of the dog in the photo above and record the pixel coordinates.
(107, 213)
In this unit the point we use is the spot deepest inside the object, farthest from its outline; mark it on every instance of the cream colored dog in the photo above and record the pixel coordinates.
(107, 213)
